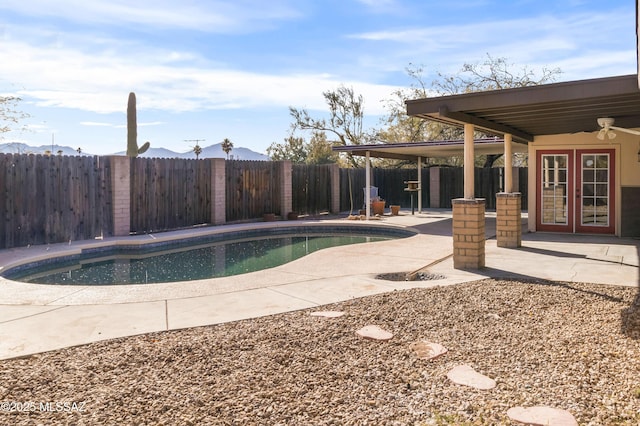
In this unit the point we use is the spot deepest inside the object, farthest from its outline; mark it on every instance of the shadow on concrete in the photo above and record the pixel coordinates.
(441, 227)
(548, 252)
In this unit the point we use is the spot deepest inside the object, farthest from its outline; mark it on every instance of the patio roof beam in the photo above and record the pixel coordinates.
(461, 118)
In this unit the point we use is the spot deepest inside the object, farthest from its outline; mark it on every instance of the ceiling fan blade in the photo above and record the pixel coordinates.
(622, 129)
(601, 134)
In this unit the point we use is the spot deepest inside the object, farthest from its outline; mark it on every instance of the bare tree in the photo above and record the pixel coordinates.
(346, 114)
(490, 74)
(9, 114)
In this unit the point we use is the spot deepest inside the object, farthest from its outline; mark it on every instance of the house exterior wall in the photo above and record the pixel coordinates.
(627, 174)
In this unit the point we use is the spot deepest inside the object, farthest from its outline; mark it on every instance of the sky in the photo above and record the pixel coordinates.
(210, 69)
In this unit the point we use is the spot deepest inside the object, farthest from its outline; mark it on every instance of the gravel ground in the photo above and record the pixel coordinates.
(565, 345)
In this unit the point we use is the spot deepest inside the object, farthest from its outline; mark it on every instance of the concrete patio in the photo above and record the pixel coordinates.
(36, 318)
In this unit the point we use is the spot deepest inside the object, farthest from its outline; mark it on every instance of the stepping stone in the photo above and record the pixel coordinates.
(428, 350)
(374, 332)
(467, 376)
(327, 314)
(541, 416)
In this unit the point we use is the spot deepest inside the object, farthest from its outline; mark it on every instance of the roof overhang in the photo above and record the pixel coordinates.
(433, 149)
(526, 112)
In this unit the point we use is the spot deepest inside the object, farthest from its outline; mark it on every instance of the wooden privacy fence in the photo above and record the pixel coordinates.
(311, 188)
(390, 184)
(49, 199)
(253, 188)
(169, 193)
(447, 185)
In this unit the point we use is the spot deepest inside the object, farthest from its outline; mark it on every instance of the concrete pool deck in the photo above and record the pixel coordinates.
(36, 318)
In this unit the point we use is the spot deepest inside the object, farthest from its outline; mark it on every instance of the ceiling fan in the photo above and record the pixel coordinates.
(607, 126)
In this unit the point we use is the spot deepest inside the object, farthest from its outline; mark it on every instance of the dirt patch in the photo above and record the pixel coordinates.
(409, 276)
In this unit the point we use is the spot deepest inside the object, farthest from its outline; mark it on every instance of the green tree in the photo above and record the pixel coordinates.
(319, 150)
(197, 149)
(227, 146)
(297, 150)
(293, 149)
(345, 122)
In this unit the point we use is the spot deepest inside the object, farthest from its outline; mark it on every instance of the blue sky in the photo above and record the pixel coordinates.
(209, 69)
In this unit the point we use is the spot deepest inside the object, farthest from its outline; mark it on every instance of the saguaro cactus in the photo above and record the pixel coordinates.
(132, 129)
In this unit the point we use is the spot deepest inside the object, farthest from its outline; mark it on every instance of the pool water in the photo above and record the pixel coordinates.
(186, 264)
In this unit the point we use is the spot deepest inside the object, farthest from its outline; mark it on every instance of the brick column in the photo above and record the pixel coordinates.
(334, 178)
(509, 219)
(121, 194)
(218, 191)
(286, 191)
(468, 233)
(434, 187)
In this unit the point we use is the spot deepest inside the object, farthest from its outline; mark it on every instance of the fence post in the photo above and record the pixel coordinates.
(121, 189)
(286, 190)
(434, 187)
(218, 190)
(334, 181)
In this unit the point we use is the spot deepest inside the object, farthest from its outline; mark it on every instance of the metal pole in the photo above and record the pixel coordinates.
(367, 191)
(419, 185)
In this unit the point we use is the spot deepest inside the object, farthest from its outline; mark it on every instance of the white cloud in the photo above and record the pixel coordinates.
(544, 40)
(97, 79)
(213, 16)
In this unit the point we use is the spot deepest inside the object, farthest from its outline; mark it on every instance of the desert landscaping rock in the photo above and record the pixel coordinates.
(374, 332)
(542, 416)
(428, 350)
(467, 376)
(327, 314)
(561, 345)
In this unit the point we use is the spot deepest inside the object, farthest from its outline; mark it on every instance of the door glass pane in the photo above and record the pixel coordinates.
(595, 190)
(554, 189)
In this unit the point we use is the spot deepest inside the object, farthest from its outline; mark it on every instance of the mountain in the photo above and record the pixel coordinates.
(22, 148)
(213, 151)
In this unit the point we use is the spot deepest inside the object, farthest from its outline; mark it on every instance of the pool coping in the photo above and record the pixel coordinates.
(20, 293)
(178, 241)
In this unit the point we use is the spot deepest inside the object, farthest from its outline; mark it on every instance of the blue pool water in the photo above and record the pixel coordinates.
(182, 261)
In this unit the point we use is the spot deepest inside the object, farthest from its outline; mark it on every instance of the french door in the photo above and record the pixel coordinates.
(575, 191)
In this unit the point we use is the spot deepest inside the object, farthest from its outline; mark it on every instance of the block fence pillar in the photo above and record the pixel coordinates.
(218, 191)
(334, 181)
(468, 233)
(509, 219)
(121, 194)
(286, 190)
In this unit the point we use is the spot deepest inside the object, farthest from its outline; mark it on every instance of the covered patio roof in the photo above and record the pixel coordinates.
(433, 149)
(525, 112)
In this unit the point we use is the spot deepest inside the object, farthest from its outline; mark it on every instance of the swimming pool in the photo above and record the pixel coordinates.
(195, 258)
